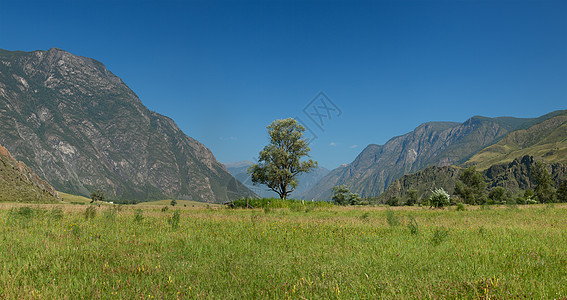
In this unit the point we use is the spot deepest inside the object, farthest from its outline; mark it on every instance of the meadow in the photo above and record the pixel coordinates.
(303, 252)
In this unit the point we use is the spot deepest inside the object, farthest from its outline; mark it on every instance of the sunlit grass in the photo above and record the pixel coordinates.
(54, 251)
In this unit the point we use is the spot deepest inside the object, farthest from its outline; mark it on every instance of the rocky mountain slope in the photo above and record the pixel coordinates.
(81, 128)
(430, 144)
(547, 139)
(514, 176)
(18, 183)
(306, 181)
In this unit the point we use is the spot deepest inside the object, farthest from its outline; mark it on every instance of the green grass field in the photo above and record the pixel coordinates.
(54, 251)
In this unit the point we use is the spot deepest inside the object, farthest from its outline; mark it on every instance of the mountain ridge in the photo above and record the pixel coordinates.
(82, 128)
(429, 144)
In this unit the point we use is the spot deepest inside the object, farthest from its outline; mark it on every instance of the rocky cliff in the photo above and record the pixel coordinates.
(515, 176)
(81, 128)
(430, 144)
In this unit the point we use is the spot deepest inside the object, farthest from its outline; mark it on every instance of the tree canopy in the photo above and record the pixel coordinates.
(279, 162)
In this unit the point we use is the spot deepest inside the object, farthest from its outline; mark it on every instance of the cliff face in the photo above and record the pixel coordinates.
(81, 128)
(430, 144)
(18, 183)
(514, 176)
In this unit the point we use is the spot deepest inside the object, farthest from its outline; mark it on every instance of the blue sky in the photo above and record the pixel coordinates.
(223, 70)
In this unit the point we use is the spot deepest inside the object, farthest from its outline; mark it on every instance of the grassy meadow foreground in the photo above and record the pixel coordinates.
(306, 252)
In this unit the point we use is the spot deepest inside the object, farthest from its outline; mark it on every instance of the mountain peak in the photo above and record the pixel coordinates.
(81, 128)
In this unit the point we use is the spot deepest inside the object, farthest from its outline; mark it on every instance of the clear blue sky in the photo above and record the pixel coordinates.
(223, 70)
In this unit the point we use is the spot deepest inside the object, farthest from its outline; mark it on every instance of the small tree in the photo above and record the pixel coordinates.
(411, 197)
(342, 196)
(439, 198)
(471, 186)
(97, 196)
(544, 191)
(562, 191)
(498, 195)
(392, 201)
(279, 163)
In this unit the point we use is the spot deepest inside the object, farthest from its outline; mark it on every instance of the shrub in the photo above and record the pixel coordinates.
(498, 195)
(174, 220)
(25, 211)
(173, 202)
(411, 197)
(461, 207)
(562, 191)
(342, 196)
(393, 201)
(165, 208)
(439, 198)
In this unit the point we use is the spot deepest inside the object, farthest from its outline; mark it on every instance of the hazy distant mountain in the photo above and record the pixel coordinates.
(81, 128)
(430, 144)
(18, 183)
(306, 180)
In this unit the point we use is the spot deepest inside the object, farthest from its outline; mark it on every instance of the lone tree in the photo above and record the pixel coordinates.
(97, 196)
(279, 163)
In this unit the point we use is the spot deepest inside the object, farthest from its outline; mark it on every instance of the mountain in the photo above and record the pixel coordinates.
(546, 139)
(514, 176)
(82, 129)
(306, 180)
(18, 183)
(430, 144)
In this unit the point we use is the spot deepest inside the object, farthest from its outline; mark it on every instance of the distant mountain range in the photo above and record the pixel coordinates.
(306, 180)
(478, 141)
(18, 183)
(82, 129)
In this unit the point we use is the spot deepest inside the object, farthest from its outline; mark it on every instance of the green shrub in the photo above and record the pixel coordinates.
(165, 209)
(174, 220)
(461, 207)
(393, 201)
(342, 196)
(411, 197)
